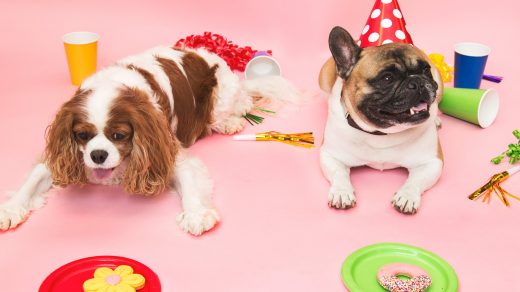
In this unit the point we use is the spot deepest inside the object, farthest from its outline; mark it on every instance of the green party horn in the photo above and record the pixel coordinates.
(477, 106)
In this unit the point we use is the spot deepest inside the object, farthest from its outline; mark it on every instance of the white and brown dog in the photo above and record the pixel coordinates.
(130, 123)
(382, 113)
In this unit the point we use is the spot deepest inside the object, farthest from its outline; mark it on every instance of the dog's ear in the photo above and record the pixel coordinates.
(344, 50)
(328, 75)
(154, 147)
(62, 155)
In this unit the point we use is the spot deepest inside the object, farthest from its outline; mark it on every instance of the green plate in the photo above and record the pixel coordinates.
(359, 271)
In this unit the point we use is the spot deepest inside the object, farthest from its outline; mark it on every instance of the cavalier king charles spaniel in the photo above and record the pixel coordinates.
(130, 123)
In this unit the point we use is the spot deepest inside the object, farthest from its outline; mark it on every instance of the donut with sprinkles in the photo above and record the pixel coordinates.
(418, 279)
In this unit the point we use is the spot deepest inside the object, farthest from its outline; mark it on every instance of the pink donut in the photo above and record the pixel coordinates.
(419, 279)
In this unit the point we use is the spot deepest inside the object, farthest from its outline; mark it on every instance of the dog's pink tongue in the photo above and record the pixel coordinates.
(420, 107)
(102, 173)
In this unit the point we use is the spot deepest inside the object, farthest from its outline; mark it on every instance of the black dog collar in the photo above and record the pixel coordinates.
(353, 124)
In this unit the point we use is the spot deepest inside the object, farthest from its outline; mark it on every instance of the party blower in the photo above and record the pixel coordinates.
(305, 140)
(493, 186)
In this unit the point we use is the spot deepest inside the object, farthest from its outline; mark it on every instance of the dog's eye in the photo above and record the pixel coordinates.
(427, 70)
(83, 136)
(388, 77)
(118, 136)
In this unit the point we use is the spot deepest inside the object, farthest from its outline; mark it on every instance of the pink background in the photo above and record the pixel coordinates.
(277, 233)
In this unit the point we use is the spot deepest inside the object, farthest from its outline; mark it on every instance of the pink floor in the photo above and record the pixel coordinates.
(277, 233)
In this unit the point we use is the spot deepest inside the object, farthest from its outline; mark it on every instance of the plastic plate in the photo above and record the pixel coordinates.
(359, 271)
(70, 277)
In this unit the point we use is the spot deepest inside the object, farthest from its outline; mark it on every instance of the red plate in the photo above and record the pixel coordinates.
(70, 277)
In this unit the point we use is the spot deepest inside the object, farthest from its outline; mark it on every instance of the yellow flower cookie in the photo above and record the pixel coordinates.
(121, 279)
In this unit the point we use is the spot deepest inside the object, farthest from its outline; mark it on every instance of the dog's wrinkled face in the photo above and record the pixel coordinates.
(390, 86)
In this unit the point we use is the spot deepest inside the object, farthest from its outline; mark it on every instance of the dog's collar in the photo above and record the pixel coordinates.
(353, 124)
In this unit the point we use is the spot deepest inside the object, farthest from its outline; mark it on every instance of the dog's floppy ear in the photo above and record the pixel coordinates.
(62, 155)
(344, 50)
(151, 161)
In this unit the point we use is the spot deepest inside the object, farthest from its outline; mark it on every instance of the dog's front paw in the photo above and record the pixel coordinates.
(230, 126)
(11, 215)
(407, 200)
(199, 221)
(341, 198)
(234, 125)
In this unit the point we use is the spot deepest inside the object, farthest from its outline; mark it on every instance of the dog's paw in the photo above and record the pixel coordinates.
(243, 105)
(12, 215)
(234, 125)
(341, 198)
(230, 126)
(407, 200)
(199, 221)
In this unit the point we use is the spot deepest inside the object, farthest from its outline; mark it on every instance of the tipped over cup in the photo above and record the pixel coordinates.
(81, 51)
(262, 65)
(477, 106)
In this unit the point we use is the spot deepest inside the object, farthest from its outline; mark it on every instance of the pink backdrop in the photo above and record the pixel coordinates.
(277, 233)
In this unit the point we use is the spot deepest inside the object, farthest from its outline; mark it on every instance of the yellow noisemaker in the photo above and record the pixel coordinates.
(493, 186)
(305, 140)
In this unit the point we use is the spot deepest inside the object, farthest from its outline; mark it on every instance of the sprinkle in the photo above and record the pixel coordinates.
(415, 284)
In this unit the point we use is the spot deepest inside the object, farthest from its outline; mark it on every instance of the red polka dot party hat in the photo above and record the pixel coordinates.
(384, 25)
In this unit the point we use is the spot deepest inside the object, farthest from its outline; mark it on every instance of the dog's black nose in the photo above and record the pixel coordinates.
(99, 156)
(414, 84)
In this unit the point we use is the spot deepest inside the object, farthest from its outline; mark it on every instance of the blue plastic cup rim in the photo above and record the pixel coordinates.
(472, 49)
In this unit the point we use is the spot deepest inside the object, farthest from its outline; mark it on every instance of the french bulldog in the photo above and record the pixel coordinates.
(382, 113)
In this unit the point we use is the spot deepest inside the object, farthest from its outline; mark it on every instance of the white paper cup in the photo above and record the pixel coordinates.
(262, 65)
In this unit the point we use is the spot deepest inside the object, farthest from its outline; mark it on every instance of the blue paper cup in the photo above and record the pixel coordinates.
(470, 61)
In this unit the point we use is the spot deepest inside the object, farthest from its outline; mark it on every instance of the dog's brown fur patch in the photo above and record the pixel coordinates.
(162, 97)
(193, 96)
(440, 155)
(150, 145)
(328, 75)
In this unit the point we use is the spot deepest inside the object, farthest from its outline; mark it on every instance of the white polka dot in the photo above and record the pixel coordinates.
(386, 1)
(400, 34)
(359, 43)
(397, 13)
(375, 13)
(386, 23)
(365, 30)
(387, 42)
(373, 37)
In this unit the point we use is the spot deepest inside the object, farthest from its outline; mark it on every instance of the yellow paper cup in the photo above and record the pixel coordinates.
(81, 51)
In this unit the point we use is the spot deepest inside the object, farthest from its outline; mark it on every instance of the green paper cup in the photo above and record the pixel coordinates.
(477, 106)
